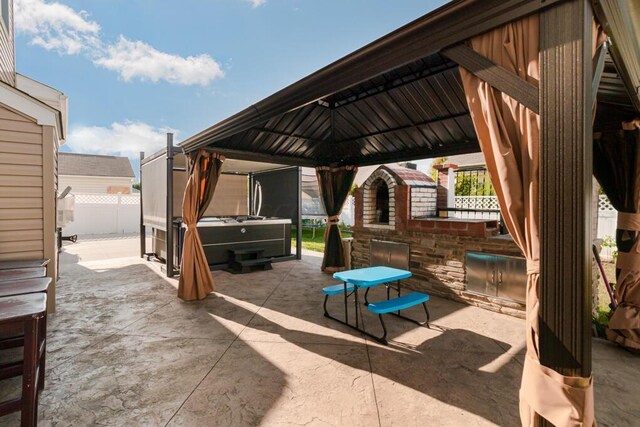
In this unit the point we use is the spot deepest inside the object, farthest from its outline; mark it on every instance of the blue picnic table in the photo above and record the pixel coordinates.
(367, 278)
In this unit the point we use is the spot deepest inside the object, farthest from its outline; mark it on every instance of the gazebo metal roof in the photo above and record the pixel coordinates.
(398, 98)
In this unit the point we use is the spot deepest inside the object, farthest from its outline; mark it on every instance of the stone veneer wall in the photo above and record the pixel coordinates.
(437, 263)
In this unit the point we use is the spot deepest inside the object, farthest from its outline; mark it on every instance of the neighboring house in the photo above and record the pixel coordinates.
(33, 124)
(467, 161)
(94, 174)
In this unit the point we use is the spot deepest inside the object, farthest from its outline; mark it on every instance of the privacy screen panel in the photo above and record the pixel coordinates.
(153, 177)
(279, 193)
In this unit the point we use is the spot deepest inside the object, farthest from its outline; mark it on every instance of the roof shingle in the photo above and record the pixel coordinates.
(94, 165)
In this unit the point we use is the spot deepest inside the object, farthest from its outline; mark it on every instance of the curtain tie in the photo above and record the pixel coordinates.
(629, 221)
(333, 219)
(191, 225)
(563, 400)
(632, 125)
(533, 267)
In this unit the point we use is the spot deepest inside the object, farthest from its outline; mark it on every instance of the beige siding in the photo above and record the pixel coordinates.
(49, 179)
(21, 187)
(7, 50)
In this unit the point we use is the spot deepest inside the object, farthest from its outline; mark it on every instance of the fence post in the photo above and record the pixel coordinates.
(118, 213)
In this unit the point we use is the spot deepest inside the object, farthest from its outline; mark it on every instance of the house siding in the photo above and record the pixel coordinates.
(27, 190)
(93, 184)
(49, 199)
(7, 50)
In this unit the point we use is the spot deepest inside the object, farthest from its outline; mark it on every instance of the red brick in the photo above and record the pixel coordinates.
(458, 225)
(443, 225)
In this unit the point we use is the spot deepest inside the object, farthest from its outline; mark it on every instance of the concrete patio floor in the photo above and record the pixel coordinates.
(124, 350)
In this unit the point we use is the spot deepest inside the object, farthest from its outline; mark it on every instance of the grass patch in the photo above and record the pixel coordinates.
(603, 295)
(601, 320)
(310, 241)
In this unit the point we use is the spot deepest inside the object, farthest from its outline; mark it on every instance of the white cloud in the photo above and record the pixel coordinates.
(256, 3)
(122, 139)
(136, 59)
(57, 27)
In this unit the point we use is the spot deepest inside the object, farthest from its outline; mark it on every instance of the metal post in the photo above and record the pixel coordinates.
(299, 224)
(169, 223)
(565, 187)
(250, 194)
(143, 230)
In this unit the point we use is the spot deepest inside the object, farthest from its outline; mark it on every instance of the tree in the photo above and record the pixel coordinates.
(474, 184)
(434, 171)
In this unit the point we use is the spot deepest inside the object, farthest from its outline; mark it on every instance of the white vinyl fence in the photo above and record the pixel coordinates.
(105, 214)
(120, 214)
(607, 221)
(348, 214)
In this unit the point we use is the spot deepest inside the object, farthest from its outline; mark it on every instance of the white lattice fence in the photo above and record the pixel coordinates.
(105, 214)
(477, 202)
(604, 204)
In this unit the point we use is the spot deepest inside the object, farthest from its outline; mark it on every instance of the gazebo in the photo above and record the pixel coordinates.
(531, 84)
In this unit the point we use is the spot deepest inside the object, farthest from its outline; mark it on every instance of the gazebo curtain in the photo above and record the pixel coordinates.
(196, 281)
(508, 134)
(616, 165)
(334, 185)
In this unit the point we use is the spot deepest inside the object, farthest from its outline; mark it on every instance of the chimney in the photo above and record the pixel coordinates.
(446, 184)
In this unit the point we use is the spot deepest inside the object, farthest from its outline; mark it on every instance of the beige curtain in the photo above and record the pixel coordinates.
(509, 138)
(616, 165)
(196, 281)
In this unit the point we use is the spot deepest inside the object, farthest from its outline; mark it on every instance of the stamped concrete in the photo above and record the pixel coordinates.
(124, 350)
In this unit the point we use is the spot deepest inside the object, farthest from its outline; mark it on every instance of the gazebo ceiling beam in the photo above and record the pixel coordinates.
(498, 77)
(425, 152)
(285, 134)
(402, 128)
(264, 157)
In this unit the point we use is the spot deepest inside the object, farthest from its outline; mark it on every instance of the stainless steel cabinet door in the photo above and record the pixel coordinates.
(390, 254)
(511, 278)
(481, 273)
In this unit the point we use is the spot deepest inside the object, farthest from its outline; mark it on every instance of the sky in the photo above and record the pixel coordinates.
(136, 69)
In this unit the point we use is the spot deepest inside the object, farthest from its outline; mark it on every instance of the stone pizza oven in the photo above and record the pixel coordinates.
(379, 196)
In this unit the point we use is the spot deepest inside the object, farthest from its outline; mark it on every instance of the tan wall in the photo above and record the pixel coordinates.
(28, 154)
(7, 51)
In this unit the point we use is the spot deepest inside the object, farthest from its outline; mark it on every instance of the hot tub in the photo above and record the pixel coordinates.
(220, 235)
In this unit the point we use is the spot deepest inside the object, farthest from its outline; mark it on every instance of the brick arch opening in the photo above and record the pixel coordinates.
(379, 200)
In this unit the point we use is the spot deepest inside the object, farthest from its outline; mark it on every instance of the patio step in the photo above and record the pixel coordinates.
(337, 289)
(247, 260)
(397, 304)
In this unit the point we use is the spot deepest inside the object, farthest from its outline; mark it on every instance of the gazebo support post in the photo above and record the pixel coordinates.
(143, 230)
(251, 195)
(299, 218)
(169, 223)
(565, 187)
